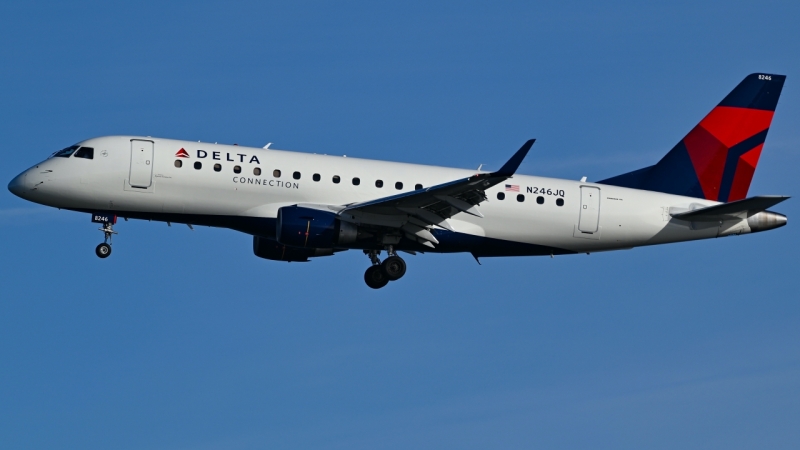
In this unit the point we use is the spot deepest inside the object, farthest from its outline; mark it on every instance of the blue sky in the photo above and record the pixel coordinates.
(185, 340)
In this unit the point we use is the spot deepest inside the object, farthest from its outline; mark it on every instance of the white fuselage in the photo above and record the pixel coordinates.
(613, 217)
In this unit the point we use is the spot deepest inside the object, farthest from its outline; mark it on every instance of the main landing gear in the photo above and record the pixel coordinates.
(379, 274)
(104, 250)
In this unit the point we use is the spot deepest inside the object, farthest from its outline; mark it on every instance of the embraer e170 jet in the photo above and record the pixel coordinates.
(299, 206)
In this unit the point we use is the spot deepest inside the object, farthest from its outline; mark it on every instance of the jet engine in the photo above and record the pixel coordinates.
(269, 249)
(305, 227)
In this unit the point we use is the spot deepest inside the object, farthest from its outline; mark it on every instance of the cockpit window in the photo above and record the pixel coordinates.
(85, 152)
(67, 152)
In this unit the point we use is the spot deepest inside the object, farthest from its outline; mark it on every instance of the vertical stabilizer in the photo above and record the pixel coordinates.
(718, 158)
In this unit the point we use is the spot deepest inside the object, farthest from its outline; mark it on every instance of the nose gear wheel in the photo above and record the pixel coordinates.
(104, 250)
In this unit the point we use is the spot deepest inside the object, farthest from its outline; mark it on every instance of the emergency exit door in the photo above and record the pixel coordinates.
(590, 209)
(141, 175)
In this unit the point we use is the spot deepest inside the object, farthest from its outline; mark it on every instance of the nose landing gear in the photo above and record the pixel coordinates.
(380, 274)
(104, 250)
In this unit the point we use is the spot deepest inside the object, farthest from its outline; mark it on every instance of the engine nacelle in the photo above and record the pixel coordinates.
(306, 227)
(269, 249)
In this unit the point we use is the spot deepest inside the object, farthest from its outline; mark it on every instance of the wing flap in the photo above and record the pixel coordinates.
(419, 232)
(460, 205)
(427, 216)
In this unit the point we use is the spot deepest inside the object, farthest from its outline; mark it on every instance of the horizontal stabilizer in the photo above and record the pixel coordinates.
(740, 208)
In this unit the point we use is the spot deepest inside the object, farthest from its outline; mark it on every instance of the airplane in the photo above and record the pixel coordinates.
(299, 206)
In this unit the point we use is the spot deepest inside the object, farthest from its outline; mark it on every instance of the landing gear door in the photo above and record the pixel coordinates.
(590, 210)
(141, 175)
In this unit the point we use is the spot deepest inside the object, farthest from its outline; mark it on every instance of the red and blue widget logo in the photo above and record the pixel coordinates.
(182, 153)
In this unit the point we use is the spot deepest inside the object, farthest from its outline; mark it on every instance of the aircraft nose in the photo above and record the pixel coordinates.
(17, 186)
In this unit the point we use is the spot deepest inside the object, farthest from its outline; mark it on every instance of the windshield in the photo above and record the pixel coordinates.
(67, 152)
(85, 152)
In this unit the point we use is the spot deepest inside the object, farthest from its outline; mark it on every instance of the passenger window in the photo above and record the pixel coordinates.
(237, 169)
(560, 201)
(256, 171)
(379, 183)
(336, 179)
(198, 165)
(398, 185)
(501, 196)
(417, 187)
(296, 175)
(85, 153)
(178, 163)
(218, 167)
(540, 200)
(315, 177)
(276, 173)
(356, 181)
(67, 152)
(520, 198)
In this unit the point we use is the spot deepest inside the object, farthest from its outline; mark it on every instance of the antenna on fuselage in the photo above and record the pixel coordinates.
(268, 144)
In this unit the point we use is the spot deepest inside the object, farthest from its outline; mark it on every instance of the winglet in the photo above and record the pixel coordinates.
(512, 165)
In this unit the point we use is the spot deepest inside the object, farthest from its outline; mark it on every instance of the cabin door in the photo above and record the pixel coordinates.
(141, 175)
(590, 209)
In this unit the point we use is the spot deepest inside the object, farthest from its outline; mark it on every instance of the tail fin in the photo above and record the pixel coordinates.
(718, 158)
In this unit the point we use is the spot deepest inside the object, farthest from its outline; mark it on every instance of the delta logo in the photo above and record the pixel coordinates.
(182, 153)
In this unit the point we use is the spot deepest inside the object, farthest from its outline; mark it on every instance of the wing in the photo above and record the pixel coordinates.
(413, 214)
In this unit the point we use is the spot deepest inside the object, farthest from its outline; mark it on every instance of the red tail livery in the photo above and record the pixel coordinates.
(718, 158)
